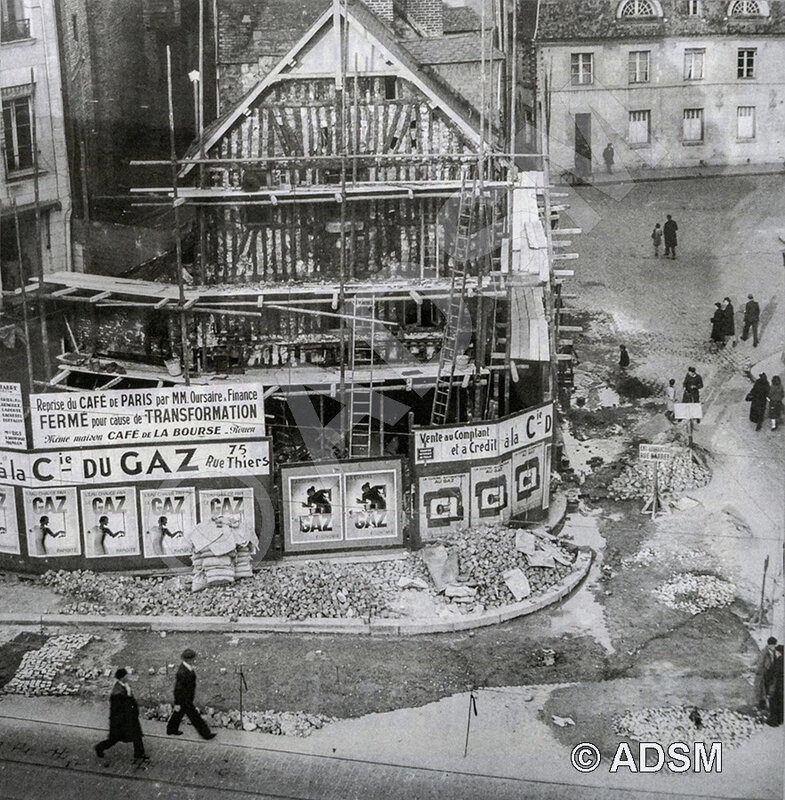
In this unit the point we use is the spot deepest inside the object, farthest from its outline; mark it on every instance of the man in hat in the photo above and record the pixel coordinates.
(751, 320)
(123, 718)
(765, 673)
(184, 692)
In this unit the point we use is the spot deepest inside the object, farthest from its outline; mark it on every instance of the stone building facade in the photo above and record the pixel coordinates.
(677, 83)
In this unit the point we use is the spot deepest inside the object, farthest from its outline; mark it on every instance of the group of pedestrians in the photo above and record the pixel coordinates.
(691, 392)
(769, 682)
(124, 723)
(765, 394)
(666, 234)
(723, 322)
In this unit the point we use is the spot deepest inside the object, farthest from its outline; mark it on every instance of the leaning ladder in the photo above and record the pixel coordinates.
(452, 328)
(363, 330)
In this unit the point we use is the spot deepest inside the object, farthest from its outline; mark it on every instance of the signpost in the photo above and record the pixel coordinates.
(655, 454)
(690, 411)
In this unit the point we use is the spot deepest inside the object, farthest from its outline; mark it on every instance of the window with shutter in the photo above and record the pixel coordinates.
(692, 125)
(745, 122)
(693, 63)
(17, 133)
(640, 127)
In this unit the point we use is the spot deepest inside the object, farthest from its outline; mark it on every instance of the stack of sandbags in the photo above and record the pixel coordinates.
(198, 579)
(242, 562)
(219, 570)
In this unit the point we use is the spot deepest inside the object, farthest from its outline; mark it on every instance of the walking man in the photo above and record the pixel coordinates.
(669, 230)
(184, 693)
(751, 319)
(123, 718)
(609, 156)
(765, 673)
(692, 384)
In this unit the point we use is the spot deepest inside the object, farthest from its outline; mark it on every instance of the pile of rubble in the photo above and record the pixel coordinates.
(296, 591)
(685, 724)
(693, 592)
(38, 669)
(674, 477)
(278, 723)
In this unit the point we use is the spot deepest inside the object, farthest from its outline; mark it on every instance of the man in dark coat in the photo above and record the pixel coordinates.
(729, 319)
(776, 691)
(123, 718)
(692, 384)
(718, 324)
(184, 693)
(758, 398)
(765, 673)
(669, 231)
(751, 320)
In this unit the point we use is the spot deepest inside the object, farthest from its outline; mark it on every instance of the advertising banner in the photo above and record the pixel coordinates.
(342, 505)
(443, 503)
(167, 516)
(9, 530)
(484, 440)
(236, 506)
(528, 478)
(174, 414)
(52, 520)
(490, 493)
(134, 464)
(109, 522)
(12, 417)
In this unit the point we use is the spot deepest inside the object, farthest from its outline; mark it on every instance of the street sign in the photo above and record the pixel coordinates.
(687, 411)
(656, 452)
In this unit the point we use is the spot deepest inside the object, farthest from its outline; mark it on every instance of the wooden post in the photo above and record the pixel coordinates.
(28, 351)
(763, 590)
(339, 89)
(178, 237)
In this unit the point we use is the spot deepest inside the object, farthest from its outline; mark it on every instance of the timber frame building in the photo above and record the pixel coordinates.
(363, 243)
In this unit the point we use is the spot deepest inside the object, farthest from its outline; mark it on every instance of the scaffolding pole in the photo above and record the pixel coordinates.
(28, 353)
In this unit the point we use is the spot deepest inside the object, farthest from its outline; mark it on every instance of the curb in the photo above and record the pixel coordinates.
(380, 627)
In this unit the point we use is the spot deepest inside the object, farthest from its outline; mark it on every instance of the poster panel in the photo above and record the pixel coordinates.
(236, 506)
(490, 494)
(52, 520)
(110, 524)
(371, 505)
(167, 516)
(172, 414)
(528, 478)
(315, 506)
(443, 503)
(9, 530)
(12, 417)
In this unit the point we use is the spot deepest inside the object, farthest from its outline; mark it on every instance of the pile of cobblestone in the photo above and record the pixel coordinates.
(685, 724)
(674, 478)
(278, 723)
(39, 669)
(693, 592)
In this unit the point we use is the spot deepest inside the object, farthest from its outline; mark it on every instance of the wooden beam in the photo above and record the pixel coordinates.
(60, 377)
(111, 383)
(566, 232)
(571, 328)
(565, 256)
(96, 298)
(564, 273)
(64, 292)
(189, 303)
(161, 303)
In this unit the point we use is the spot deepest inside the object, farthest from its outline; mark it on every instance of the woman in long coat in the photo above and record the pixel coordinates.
(776, 395)
(758, 397)
(718, 324)
(729, 316)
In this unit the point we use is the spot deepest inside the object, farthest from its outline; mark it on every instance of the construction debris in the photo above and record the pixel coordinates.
(674, 478)
(39, 669)
(695, 593)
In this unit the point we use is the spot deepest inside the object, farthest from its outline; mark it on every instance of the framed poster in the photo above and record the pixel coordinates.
(314, 508)
(443, 504)
(490, 493)
(371, 506)
(167, 516)
(110, 524)
(236, 506)
(52, 521)
(9, 530)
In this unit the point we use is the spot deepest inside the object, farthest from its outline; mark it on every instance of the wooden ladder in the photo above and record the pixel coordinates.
(452, 329)
(363, 330)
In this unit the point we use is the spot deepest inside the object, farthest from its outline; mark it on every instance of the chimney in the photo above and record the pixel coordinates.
(382, 8)
(426, 16)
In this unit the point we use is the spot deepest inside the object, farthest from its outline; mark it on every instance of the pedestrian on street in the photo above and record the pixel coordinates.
(729, 329)
(656, 238)
(609, 156)
(669, 231)
(670, 400)
(776, 395)
(757, 398)
(764, 673)
(775, 694)
(184, 693)
(718, 325)
(123, 718)
(692, 384)
(751, 319)
(624, 358)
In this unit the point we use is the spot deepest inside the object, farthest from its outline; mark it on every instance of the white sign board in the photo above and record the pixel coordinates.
(687, 411)
(136, 464)
(473, 442)
(656, 452)
(174, 414)
(12, 417)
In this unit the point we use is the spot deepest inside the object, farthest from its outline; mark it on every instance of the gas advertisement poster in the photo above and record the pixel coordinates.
(528, 478)
(176, 414)
(168, 515)
(371, 505)
(490, 493)
(9, 530)
(315, 508)
(444, 504)
(110, 524)
(52, 521)
(235, 506)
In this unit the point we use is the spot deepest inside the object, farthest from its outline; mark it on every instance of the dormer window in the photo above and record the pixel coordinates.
(639, 9)
(748, 8)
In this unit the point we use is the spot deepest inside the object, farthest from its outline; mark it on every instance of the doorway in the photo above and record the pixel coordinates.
(583, 145)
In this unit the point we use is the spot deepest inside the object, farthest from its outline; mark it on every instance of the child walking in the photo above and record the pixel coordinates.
(656, 237)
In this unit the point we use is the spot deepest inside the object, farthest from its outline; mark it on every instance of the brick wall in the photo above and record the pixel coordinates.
(427, 16)
(382, 8)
